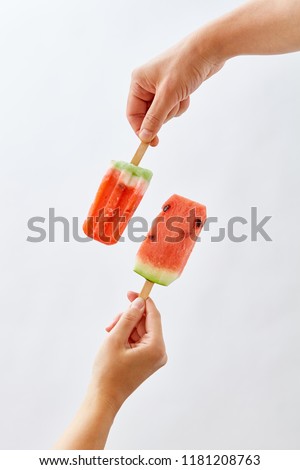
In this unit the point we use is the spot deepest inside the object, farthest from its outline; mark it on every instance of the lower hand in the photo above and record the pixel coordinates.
(133, 350)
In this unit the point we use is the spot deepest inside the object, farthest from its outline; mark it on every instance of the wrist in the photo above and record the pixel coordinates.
(101, 403)
(213, 43)
(104, 397)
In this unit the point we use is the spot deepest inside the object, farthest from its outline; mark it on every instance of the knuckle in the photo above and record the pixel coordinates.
(152, 119)
(130, 116)
(131, 315)
(135, 73)
(140, 88)
(170, 85)
(133, 116)
(112, 341)
(135, 87)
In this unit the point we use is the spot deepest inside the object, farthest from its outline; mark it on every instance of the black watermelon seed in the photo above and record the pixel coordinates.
(198, 222)
(166, 208)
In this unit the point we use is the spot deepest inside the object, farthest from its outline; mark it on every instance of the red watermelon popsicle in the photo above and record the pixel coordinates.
(163, 255)
(118, 196)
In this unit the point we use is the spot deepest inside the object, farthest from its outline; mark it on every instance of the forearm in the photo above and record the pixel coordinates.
(91, 425)
(257, 27)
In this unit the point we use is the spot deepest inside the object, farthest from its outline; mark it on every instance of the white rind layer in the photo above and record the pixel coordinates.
(133, 181)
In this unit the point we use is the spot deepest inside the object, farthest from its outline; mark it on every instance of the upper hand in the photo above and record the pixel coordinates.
(161, 89)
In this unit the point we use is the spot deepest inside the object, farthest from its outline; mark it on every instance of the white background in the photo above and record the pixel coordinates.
(231, 322)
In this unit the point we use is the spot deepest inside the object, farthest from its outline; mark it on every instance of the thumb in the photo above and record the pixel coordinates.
(129, 319)
(153, 320)
(156, 116)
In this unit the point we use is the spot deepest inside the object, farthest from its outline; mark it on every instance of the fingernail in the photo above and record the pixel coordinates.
(138, 303)
(145, 135)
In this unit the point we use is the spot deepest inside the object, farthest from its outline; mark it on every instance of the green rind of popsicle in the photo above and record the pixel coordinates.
(133, 169)
(164, 277)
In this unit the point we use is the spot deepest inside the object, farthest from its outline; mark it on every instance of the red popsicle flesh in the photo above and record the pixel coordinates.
(118, 196)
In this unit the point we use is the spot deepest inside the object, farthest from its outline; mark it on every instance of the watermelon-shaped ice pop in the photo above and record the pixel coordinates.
(163, 255)
(120, 192)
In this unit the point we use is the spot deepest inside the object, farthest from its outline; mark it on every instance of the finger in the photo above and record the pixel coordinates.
(156, 115)
(113, 323)
(129, 319)
(138, 103)
(184, 104)
(136, 112)
(131, 295)
(141, 328)
(173, 112)
(178, 109)
(154, 142)
(135, 337)
(153, 324)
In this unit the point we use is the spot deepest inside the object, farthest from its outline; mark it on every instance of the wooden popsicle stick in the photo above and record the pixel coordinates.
(145, 292)
(137, 157)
